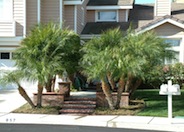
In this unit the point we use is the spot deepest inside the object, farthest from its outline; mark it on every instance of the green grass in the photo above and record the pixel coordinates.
(156, 105)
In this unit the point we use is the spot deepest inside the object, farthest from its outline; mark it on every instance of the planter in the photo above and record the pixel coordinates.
(50, 98)
(64, 88)
(102, 102)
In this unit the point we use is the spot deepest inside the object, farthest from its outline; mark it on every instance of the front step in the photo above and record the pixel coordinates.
(78, 106)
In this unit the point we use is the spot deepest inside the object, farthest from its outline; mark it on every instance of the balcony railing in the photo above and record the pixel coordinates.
(7, 28)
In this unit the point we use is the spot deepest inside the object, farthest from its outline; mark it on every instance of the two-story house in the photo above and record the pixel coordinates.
(89, 18)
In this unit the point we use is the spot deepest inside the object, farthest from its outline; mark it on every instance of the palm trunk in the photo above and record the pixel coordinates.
(53, 83)
(48, 85)
(121, 88)
(128, 83)
(111, 81)
(108, 95)
(23, 93)
(39, 96)
(136, 85)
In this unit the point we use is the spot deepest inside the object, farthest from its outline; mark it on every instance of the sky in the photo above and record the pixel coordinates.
(144, 1)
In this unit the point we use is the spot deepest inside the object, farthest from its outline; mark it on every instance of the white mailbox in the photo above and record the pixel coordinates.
(166, 89)
(169, 90)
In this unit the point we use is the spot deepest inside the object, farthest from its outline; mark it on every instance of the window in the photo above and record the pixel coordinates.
(175, 43)
(107, 16)
(6, 55)
(6, 10)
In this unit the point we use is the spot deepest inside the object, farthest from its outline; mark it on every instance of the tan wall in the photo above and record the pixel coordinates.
(91, 16)
(162, 7)
(69, 16)
(50, 11)
(81, 16)
(31, 14)
(168, 29)
(122, 15)
(18, 14)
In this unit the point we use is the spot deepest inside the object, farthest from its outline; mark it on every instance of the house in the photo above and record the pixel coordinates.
(90, 18)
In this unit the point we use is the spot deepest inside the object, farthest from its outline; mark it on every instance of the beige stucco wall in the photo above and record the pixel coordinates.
(31, 14)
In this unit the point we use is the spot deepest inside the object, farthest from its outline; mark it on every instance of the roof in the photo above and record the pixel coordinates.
(143, 15)
(99, 27)
(109, 2)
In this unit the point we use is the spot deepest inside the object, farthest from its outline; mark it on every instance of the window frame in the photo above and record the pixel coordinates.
(108, 20)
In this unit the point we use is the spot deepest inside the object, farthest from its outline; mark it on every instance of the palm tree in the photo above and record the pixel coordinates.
(16, 76)
(124, 57)
(45, 53)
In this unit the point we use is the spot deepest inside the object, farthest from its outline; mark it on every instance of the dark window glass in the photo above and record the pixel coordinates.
(5, 55)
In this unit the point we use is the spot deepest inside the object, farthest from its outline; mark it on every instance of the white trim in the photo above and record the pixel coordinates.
(155, 8)
(61, 12)
(108, 7)
(11, 39)
(24, 29)
(38, 11)
(75, 19)
(117, 16)
(74, 2)
(87, 36)
(126, 15)
(83, 15)
(162, 22)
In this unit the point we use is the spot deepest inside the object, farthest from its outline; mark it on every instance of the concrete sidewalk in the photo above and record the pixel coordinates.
(133, 122)
(10, 100)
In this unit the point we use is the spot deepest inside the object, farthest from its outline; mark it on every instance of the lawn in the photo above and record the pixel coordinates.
(156, 105)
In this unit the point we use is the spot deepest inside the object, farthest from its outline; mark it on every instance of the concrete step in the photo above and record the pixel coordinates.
(78, 106)
(80, 102)
(76, 111)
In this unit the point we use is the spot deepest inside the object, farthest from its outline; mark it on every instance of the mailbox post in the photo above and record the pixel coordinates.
(169, 90)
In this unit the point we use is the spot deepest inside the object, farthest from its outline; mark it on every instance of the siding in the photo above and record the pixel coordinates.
(31, 14)
(122, 15)
(168, 29)
(69, 16)
(91, 16)
(163, 7)
(81, 16)
(18, 13)
(50, 11)
(7, 29)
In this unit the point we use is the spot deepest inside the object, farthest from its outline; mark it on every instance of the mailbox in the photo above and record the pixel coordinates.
(175, 89)
(166, 89)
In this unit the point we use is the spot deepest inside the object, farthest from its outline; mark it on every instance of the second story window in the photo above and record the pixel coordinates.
(106, 16)
(6, 10)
